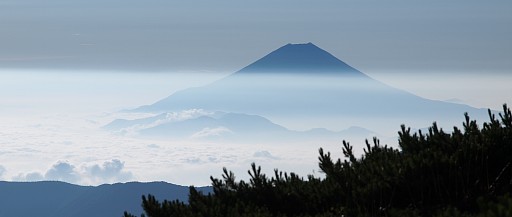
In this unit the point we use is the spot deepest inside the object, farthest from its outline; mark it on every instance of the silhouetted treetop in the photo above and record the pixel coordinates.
(467, 172)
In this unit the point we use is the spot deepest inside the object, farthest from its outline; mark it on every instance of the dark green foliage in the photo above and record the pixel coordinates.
(464, 173)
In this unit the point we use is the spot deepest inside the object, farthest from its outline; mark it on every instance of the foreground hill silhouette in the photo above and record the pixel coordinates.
(303, 84)
(464, 173)
(59, 199)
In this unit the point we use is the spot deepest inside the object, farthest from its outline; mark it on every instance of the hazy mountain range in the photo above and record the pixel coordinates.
(221, 126)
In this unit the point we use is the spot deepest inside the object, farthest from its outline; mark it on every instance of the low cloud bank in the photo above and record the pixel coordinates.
(108, 172)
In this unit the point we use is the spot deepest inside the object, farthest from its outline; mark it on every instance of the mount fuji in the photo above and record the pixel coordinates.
(303, 85)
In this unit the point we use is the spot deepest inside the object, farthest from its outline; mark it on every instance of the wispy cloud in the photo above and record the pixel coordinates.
(153, 121)
(264, 155)
(208, 132)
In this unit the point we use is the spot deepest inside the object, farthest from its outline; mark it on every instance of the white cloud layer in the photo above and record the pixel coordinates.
(50, 129)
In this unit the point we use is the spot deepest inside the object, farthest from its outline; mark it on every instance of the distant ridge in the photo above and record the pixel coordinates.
(233, 127)
(60, 199)
(299, 58)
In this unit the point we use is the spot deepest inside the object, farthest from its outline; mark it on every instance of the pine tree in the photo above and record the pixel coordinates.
(464, 173)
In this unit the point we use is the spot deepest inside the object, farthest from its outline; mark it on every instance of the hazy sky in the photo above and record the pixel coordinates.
(371, 35)
(51, 116)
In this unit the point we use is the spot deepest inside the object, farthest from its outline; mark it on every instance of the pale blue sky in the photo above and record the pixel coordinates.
(225, 35)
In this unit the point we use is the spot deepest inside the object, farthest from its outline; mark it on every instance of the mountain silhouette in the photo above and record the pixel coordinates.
(303, 84)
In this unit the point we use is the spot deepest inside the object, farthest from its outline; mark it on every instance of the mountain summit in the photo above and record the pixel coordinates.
(299, 58)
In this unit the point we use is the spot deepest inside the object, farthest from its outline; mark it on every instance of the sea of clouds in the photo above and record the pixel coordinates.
(51, 129)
